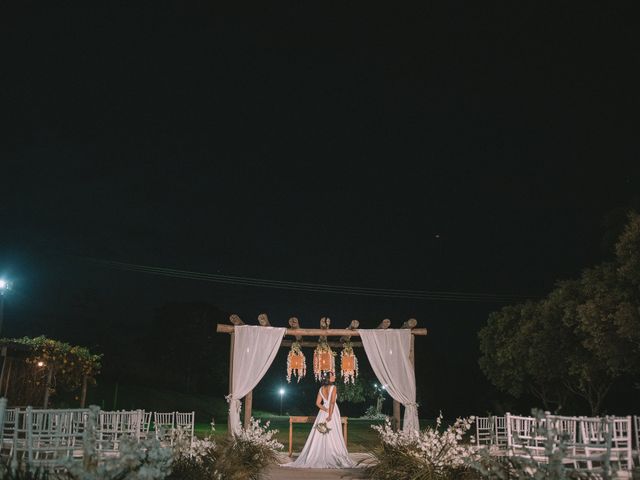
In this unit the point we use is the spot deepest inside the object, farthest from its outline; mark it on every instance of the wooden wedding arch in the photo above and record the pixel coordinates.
(322, 333)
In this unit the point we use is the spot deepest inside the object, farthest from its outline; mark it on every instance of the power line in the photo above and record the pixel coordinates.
(311, 287)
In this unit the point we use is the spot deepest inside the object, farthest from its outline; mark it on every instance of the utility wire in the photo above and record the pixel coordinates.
(312, 287)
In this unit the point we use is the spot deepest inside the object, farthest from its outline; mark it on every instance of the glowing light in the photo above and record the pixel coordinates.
(40, 364)
(281, 391)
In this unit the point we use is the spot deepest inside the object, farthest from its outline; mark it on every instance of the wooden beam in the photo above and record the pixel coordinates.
(313, 344)
(263, 320)
(295, 324)
(385, 323)
(236, 320)
(324, 326)
(318, 332)
(352, 326)
(411, 323)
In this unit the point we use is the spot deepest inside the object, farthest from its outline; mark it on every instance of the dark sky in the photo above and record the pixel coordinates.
(436, 146)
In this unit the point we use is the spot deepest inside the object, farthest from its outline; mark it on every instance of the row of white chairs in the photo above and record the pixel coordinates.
(50, 437)
(590, 442)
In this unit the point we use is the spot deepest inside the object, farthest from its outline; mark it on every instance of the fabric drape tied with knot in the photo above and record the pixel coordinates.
(254, 349)
(388, 352)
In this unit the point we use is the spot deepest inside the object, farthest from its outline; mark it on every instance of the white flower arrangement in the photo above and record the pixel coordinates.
(260, 435)
(186, 446)
(439, 450)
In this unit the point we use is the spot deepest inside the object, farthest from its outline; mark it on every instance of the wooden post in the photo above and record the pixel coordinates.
(395, 423)
(236, 320)
(46, 387)
(346, 431)
(83, 395)
(229, 432)
(290, 436)
(248, 403)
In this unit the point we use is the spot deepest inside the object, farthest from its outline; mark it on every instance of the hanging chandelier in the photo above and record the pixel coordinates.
(296, 362)
(323, 359)
(348, 363)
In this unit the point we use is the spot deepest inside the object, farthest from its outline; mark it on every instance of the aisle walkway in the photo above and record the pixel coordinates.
(280, 473)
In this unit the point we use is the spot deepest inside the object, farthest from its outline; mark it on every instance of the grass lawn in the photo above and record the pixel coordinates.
(361, 437)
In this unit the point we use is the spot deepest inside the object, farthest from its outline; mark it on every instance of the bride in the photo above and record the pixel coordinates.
(325, 450)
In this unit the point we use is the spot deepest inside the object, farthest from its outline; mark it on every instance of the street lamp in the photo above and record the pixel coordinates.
(4, 287)
(281, 391)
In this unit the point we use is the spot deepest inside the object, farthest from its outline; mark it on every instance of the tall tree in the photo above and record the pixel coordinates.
(582, 337)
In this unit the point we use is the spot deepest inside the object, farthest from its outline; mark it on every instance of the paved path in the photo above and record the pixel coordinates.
(281, 473)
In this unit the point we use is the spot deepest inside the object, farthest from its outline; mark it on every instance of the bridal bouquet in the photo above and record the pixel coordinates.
(322, 427)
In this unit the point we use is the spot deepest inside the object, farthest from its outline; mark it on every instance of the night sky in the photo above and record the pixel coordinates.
(434, 146)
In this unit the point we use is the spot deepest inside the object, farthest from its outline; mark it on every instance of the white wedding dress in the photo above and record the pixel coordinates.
(325, 450)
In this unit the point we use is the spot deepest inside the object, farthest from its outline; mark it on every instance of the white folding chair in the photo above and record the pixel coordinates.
(6, 433)
(186, 422)
(484, 431)
(164, 425)
(526, 438)
(113, 426)
(621, 442)
(145, 424)
(567, 428)
(594, 447)
(500, 431)
(47, 438)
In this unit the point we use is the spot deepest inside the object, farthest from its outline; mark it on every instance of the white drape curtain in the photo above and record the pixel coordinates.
(254, 349)
(388, 352)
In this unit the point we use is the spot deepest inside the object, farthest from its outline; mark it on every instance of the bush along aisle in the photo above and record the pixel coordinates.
(241, 457)
(423, 455)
